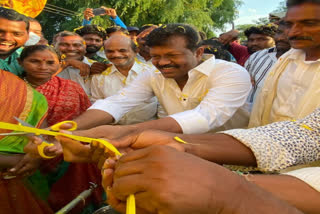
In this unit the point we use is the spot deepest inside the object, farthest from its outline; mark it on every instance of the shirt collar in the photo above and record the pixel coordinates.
(88, 61)
(136, 68)
(206, 66)
(14, 55)
(296, 54)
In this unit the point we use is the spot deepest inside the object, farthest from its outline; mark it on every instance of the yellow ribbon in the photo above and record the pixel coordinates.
(131, 209)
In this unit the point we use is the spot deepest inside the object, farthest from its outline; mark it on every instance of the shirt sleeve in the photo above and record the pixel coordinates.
(118, 22)
(238, 51)
(309, 175)
(228, 90)
(86, 22)
(283, 144)
(136, 93)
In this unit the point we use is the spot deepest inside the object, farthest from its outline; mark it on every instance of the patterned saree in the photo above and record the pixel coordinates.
(20, 195)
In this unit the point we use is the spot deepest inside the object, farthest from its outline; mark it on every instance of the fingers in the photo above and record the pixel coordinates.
(98, 151)
(136, 155)
(131, 184)
(107, 178)
(19, 166)
(74, 151)
(98, 68)
(88, 13)
(129, 168)
(65, 126)
(124, 142)
(116, 204)
(84, 70)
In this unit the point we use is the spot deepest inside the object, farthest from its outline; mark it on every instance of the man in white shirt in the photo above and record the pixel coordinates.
(291, 90)
(76, 66)
(197, 97)
(121, 51)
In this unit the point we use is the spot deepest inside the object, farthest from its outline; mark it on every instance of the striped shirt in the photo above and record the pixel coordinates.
(258, 65)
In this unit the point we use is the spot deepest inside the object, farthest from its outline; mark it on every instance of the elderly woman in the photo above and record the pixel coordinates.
(66, 100)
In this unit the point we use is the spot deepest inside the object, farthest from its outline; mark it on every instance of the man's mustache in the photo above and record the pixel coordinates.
(118, 58)
(88, 46)
(300, 38)
(167, 66)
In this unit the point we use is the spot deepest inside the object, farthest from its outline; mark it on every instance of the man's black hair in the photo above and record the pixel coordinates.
(12, 15)
(216, 48)
(268, 30)
(113, 29)
(64, 34)
(91, 29)
(291, 3)
(160, 35)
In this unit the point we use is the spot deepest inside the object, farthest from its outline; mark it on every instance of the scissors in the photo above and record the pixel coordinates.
(44, 144)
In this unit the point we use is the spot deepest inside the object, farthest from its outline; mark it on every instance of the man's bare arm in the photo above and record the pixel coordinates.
(219, 148)
(290, 189)
(93, 118)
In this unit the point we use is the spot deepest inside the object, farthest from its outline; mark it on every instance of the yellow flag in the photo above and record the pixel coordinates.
(31, 8)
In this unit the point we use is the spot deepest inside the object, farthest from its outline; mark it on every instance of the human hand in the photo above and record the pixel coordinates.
(110, 12)
(88, 13)
(166, 181)
(32, 147)
(83, 67)
(74, 151)
(146, 138)
(229, 37)
(107, 131)
(26, 166)
(98, 68)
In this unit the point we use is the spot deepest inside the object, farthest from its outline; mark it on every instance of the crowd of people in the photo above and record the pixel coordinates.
(212, 125)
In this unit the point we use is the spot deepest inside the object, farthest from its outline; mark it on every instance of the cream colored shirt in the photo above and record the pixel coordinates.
(309, 175)
(215, 90)
(111, 81)
(297, 91)
(73, 74)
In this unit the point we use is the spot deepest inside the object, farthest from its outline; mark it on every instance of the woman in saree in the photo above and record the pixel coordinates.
(19, 188)
(66, 100)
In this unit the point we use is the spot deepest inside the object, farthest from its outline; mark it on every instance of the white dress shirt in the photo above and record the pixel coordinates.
(215, 90)
(73, 74)
(111, 81)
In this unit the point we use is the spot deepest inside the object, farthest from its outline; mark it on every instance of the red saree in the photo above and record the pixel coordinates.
(68, 100)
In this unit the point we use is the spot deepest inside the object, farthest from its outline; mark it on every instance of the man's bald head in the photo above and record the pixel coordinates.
(121, 39)
(120, 50)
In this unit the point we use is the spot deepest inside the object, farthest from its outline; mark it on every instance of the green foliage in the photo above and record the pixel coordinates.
(262, 21)
(206, 15)
(281, 7)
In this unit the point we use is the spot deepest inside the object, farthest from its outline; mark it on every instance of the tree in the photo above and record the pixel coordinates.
(204, 14)
(281, 7)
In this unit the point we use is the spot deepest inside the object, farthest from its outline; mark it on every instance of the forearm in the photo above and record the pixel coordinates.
(8, 161)
(93, 118)
(164, 124)
(219, 148)
(253, 199)
(290, 189)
